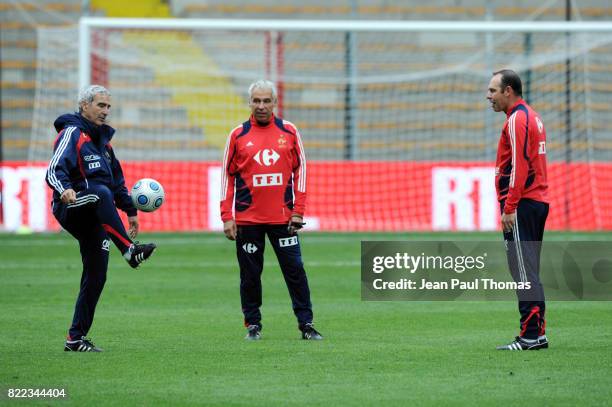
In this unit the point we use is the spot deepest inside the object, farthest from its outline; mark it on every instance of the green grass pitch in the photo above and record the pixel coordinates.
(172, 333)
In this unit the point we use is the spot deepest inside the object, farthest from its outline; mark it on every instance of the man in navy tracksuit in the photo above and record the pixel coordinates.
(88, 187)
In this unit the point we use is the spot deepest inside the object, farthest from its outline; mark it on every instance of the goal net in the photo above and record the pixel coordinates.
(394, 119)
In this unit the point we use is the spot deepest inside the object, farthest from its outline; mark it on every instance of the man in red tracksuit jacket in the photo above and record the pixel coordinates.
(263, 192)
(520, 181)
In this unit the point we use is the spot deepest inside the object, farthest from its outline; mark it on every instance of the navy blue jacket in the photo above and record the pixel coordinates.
(82, 154)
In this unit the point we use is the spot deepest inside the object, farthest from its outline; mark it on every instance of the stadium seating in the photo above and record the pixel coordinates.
(18, 24)
(379, 134)
(384, 10)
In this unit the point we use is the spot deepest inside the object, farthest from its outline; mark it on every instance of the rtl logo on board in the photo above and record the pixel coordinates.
(24, 198)
(464, 198)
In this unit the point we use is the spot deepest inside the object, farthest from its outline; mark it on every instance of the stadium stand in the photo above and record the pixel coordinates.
(395, 120)
(384, 10)
(18, 23)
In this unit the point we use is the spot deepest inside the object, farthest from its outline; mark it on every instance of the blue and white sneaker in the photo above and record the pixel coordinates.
(253, 333)
(138, 253)
(80, 345)
(525, 344)
(309, 332)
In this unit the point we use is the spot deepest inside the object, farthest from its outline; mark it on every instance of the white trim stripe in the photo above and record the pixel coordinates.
(84, 200)
(80, 200)
(512, 131)
(302, 170)
(76, 205)
(61, 148)
(88, 196)
(224, 173)
(519, 252)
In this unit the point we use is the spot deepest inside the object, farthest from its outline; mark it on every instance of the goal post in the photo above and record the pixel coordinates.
(393, 114)
(87, 24)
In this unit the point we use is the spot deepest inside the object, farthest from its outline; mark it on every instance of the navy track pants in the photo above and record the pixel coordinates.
(250, 245)
(523, 247)
(92, 220)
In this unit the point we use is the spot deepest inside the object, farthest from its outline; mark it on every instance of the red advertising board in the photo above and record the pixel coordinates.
(342, 196)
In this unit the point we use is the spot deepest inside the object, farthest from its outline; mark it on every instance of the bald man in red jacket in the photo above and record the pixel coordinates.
(520, 181)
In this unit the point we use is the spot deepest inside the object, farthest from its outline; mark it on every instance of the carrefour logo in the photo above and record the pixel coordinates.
(249, 248)
(266, 157)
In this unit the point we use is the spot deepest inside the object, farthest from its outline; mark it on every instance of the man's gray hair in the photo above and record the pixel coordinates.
(87, 94)
(262, 84)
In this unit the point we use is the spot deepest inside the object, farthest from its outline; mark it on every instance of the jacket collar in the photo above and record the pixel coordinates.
(255, 124)
(514, 106)
(103, 133)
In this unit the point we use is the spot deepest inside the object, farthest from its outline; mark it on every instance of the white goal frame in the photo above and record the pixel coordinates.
(87, 23)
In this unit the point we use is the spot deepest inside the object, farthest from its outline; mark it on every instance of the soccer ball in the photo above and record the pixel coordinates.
(147, 195)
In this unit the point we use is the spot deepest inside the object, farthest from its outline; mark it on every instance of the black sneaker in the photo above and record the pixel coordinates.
(81, 345)
(253, 333)
(520, 344)
(138, 253)
(309, 333)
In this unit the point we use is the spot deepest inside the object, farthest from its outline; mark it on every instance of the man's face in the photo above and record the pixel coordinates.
(496, 95)
(97, 111)
(262, 105)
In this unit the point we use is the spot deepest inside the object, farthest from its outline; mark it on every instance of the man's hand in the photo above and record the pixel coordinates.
(133, 230)
(508, 220)
(68, 196)
(230, 229)
(295, 224)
